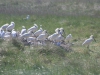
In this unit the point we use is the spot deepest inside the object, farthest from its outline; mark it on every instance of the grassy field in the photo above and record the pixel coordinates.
(52, 60)
(81, 18)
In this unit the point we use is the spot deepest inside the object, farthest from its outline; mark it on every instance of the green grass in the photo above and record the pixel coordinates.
(52, 60)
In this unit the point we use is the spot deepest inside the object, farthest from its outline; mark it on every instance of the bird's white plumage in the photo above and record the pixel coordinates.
(31, 39)
(38, 32)
(27, 17)
(54, 36)
(4, 26)
(33, 28)
(26, 35)
(2, 33)
(14, 34)
(42, 36)
(68, 38)
(61, 30)
(60, 38)
(11, 26)
(88, 41)
(23, 30)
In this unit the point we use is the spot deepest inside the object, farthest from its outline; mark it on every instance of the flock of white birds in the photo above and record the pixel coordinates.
(36, 35)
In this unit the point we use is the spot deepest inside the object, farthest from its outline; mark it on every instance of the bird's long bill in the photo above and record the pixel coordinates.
(94, 39)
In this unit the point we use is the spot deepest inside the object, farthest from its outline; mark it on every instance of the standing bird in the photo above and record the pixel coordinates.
(88, 41)
(10, 27)
(4, 26)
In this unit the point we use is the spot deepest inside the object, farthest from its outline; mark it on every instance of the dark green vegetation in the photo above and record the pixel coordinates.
(81, 18)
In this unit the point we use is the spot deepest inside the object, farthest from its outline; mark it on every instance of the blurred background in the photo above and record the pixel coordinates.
(51, 7)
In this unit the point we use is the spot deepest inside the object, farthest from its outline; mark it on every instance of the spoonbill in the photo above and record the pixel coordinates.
(4, 26)
(33, 28)
(26, 35)
(54, 36)
(88, 41)
(10, 27)
(42, 37)
(38, 32)
(23, 30)
(68, 38)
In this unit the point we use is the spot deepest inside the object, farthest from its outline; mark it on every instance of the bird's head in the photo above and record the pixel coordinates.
(23, 27)
(92, 37)
(12, 22)
(35, 25)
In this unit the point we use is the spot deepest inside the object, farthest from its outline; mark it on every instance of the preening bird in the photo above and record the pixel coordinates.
(10, 27)
(4, 26)
(88, 41)
(68, 38)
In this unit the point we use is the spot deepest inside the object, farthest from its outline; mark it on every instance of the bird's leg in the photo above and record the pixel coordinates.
(88, 46)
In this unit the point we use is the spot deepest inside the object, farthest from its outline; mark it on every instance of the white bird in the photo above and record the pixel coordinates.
(7, 37)
(62, 30)
(14, 33)
(68, 38)
(4, 26)
(27, 17)
(23, 30)
(10, 27)
(42, 37)
(88, 41)
(60, 38)
(38, 32)
(54, 36)
(56, 30)
(31, 39)
(2, 33)
(33, 28)
(26, 35)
